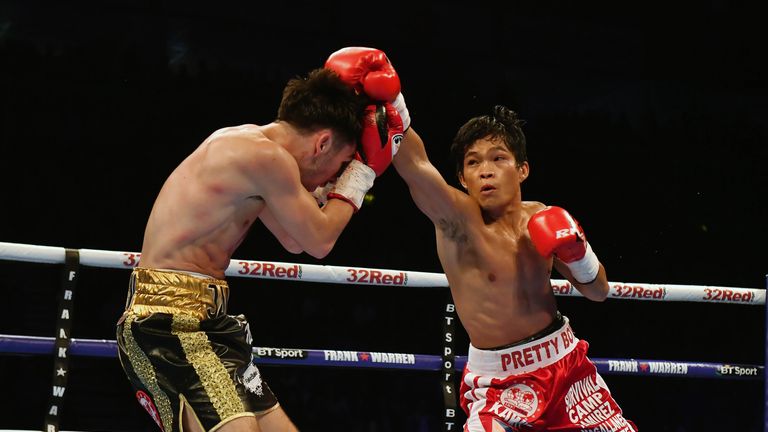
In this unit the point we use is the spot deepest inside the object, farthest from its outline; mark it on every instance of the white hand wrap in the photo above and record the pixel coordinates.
(321, 193)
(399, 104)
(585, 270)
(353, 183)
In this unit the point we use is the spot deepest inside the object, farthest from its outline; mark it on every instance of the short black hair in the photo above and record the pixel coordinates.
(323, 100)
(503, 124)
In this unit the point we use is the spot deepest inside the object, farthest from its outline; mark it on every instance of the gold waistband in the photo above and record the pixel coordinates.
(175, 292)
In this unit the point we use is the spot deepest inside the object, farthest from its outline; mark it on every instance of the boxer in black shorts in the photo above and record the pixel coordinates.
(187, 359)
(179, 348)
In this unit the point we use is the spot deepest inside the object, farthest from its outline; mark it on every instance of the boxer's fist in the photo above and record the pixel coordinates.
(352, 185)
(382, 134)
(368, 70)
(554, 231)
(320, 194)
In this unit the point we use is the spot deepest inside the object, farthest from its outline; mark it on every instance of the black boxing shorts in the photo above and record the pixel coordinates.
(178, 347)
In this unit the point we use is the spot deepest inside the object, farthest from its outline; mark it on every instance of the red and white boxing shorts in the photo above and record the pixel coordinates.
(547, 384)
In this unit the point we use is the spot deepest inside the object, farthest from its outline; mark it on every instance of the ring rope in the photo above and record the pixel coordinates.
(365, 276)
(15, 344)
(368, 276)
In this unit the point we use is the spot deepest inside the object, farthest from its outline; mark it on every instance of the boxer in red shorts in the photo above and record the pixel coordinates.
(526, 369)
(545, 384)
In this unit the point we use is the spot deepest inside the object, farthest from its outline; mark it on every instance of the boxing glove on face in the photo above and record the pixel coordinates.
(382, 134)
(352, 184)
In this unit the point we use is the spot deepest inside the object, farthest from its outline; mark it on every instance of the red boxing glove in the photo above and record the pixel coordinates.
(368, 70)
(382, 134)
(554, 231)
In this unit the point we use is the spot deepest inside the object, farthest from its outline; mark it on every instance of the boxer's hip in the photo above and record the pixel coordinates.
(541, 350)
(176, 292)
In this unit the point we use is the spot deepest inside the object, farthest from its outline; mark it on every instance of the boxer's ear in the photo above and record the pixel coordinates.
(525, 171)
(322, 142)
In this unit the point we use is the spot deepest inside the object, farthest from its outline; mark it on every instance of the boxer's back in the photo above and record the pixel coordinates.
(200, 216)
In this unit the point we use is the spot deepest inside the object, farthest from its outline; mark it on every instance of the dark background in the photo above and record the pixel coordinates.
(646, 121)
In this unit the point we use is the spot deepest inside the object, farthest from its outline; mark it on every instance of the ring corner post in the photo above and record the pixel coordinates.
(62, 339)
(448, 380)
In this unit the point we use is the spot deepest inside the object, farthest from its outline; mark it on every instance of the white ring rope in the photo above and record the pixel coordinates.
(367, 276)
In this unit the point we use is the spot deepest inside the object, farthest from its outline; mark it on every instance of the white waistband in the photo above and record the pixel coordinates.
(523, 358)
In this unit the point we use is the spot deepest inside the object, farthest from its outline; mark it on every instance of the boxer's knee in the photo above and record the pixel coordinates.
(500, 426)
(276, 420)
(189, 420)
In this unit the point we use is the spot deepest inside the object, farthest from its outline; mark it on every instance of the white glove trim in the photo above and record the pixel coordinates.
(399, 104)
(354, 183)
(585, 270)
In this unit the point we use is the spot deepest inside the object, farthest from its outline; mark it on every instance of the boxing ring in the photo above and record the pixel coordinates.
(62, 345)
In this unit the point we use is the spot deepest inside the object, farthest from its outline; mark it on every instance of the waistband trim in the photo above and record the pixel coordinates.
(176, 292)
(525, 358)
